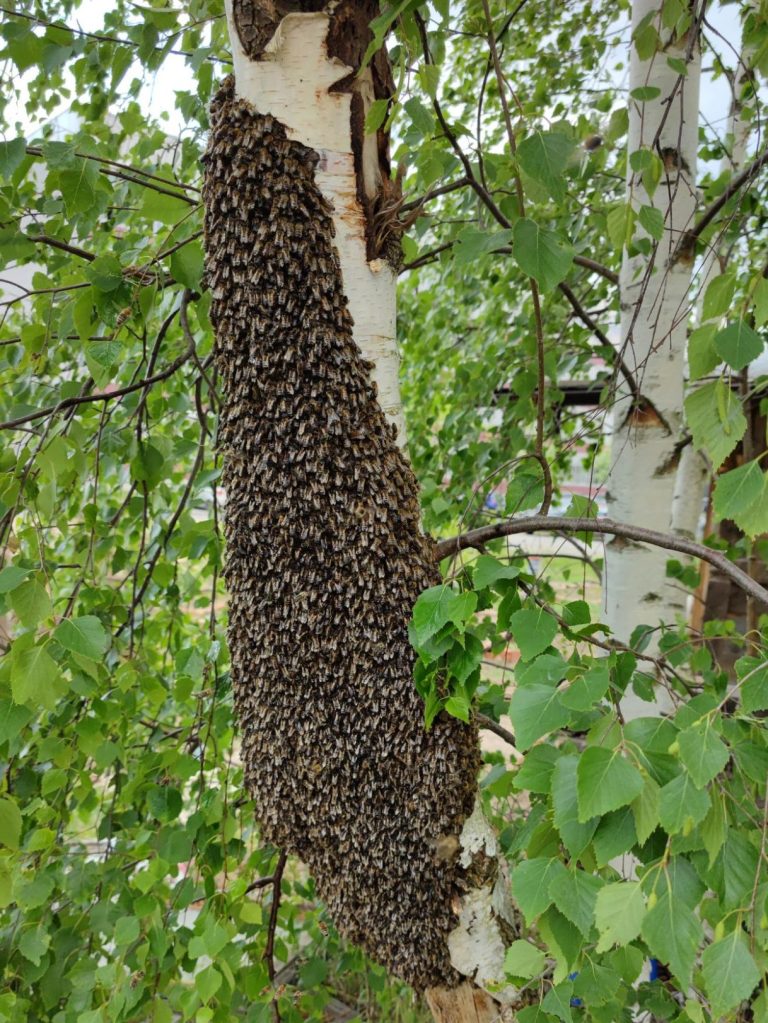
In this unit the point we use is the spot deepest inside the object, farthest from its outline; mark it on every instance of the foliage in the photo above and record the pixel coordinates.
(127, 846)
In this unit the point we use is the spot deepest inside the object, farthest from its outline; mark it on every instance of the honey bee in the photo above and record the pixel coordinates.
(324, 560)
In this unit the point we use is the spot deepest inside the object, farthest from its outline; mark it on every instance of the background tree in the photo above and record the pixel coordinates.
(133, 881)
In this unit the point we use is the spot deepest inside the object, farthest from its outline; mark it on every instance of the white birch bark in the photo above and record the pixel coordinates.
(654, 316)
(693, 473)
(291, 81)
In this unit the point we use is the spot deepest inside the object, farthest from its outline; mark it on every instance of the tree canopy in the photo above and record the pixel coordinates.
(133, 884)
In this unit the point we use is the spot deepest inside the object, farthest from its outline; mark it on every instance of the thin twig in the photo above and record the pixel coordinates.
(537, 317)
(689, 239)
(120, 392)
(269, 948)
(57, 243)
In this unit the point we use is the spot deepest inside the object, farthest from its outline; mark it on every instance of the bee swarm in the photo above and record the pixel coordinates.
(325, 559)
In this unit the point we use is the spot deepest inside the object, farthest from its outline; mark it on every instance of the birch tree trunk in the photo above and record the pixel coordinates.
(654, 289)
(325, 555)
(693, 473)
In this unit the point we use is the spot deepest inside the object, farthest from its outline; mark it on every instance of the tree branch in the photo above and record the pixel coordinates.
(489, 725)
(587, 320)
(477, 538)
(689, 239)
(37, 151)
(120, 392)
(57, 243)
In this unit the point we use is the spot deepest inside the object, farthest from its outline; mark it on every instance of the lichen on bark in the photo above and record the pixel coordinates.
(325, 558)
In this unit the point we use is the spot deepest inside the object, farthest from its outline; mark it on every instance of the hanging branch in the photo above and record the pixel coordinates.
(477, 538)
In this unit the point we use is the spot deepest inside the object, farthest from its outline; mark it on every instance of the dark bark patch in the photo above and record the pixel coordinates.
(257, 20)
(325, 558)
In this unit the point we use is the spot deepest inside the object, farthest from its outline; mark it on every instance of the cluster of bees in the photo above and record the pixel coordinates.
(325, 558)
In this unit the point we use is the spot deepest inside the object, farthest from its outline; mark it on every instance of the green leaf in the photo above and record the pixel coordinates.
(534, 711)
(605, 782)
(187, 265)
(544, 157)
(472, 243)
(647, 40)
(105, 273)
(615, 835)
(620, 223)
(10, 822)
(652, 220)
(760, 298)
(524, 960)
(753, 683)
(718, 296)
(78, 186)
(545, 670)
(535, 774)
(208, 982)
(575, 835)
(31, 603)
(673, 932)
(126, 931)
(713, 413)
(596, 984)
(166, 209)
(541, 254)
(588, 688)
(564, 941)
(646, 809)
(643, 93)
(164, 802)
(713, 829)
(147, 466)
(557, 1001)
(702, 357)
(738, 344)
(531, 881)
(702, 751)
(681, 805)
(436, 607)
(11, 155)
(739, 860)
(533, 631)
(487, 570)
(34, 674)
(11, 577)
(575, 894)
(729, 971)
(740, 496)
(33, 944)
(376, 116)
(619, 913)
(84, 636)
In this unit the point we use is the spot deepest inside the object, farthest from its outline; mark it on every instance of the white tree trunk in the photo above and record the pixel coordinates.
(654, 317)
(291, 81)
(693, 474)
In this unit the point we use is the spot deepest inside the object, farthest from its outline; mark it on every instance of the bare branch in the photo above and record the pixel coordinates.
(489, 725)
(689, 239)
(477, 538)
